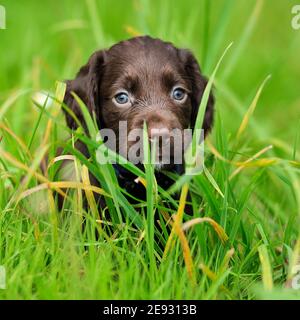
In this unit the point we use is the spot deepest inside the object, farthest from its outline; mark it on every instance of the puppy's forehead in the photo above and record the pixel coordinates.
(144, 57)
(144, 48)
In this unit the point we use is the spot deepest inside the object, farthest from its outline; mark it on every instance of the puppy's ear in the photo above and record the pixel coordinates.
(86, 86)
(198, 84)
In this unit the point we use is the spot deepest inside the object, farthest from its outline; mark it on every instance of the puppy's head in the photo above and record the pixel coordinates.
(141, 80)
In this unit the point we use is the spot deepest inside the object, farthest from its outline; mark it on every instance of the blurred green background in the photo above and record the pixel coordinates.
(49, 40)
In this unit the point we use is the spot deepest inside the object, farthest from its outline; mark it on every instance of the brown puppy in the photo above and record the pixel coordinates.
(137, 80)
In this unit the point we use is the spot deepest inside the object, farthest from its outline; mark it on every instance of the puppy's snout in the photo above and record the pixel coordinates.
(159, 135)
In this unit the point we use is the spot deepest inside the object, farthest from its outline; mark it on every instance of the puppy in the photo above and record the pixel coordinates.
(137, 81)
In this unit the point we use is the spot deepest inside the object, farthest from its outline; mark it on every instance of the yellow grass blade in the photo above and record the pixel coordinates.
(178, 217)
(67, 157)
(30, 171)
(186, 253)
(141, 237)
(55, 110)
(209, 273)
(258, 163)
(78, 196)
(57, 185)
(214, 276)
(61, 158)
(218, 229)
(215, 152)
(227, 258)
(142, 181)
(89, 194)
(167, 217)
(183, 241)
(252, 162)
(266, 267)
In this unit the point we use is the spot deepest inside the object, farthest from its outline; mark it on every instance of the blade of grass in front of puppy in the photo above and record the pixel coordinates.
(205, 97)
(178, 218)
(212, 181)
(221, 271)
(109, 180)
(218, 229)
(206, 191)
(87, 117)
(112, 156)
(102, 176)
(177, 229)
(217, 282)
(253, 162)
(177, 185)
(63, 185)
(106, 169)
(241, 202)
(192, 151)
(90, 195)
(109, 173)
(187, 255)
(150, 194)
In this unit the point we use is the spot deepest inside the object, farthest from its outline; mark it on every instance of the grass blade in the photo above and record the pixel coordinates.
(266, 267)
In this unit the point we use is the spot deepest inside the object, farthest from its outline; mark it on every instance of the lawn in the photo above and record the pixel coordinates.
(247, 244)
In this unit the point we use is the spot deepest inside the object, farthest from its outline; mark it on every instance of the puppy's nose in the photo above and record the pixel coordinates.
(161, 135)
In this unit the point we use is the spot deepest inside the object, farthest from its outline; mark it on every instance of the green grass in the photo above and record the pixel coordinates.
(246, 245)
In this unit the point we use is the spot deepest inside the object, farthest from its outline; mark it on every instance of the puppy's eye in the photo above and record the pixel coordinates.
(178, 94)
(121, 98)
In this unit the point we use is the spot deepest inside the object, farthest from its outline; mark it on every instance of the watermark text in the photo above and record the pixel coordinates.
(2, 277)
(2, 17)
(295, 22)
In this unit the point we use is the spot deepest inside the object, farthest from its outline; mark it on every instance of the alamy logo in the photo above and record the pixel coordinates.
(2, 277)
(166, 147)
(2, 17)
(296, 19)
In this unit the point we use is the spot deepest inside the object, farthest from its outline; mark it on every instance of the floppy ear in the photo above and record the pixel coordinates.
(198, 84)
(86, 86)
